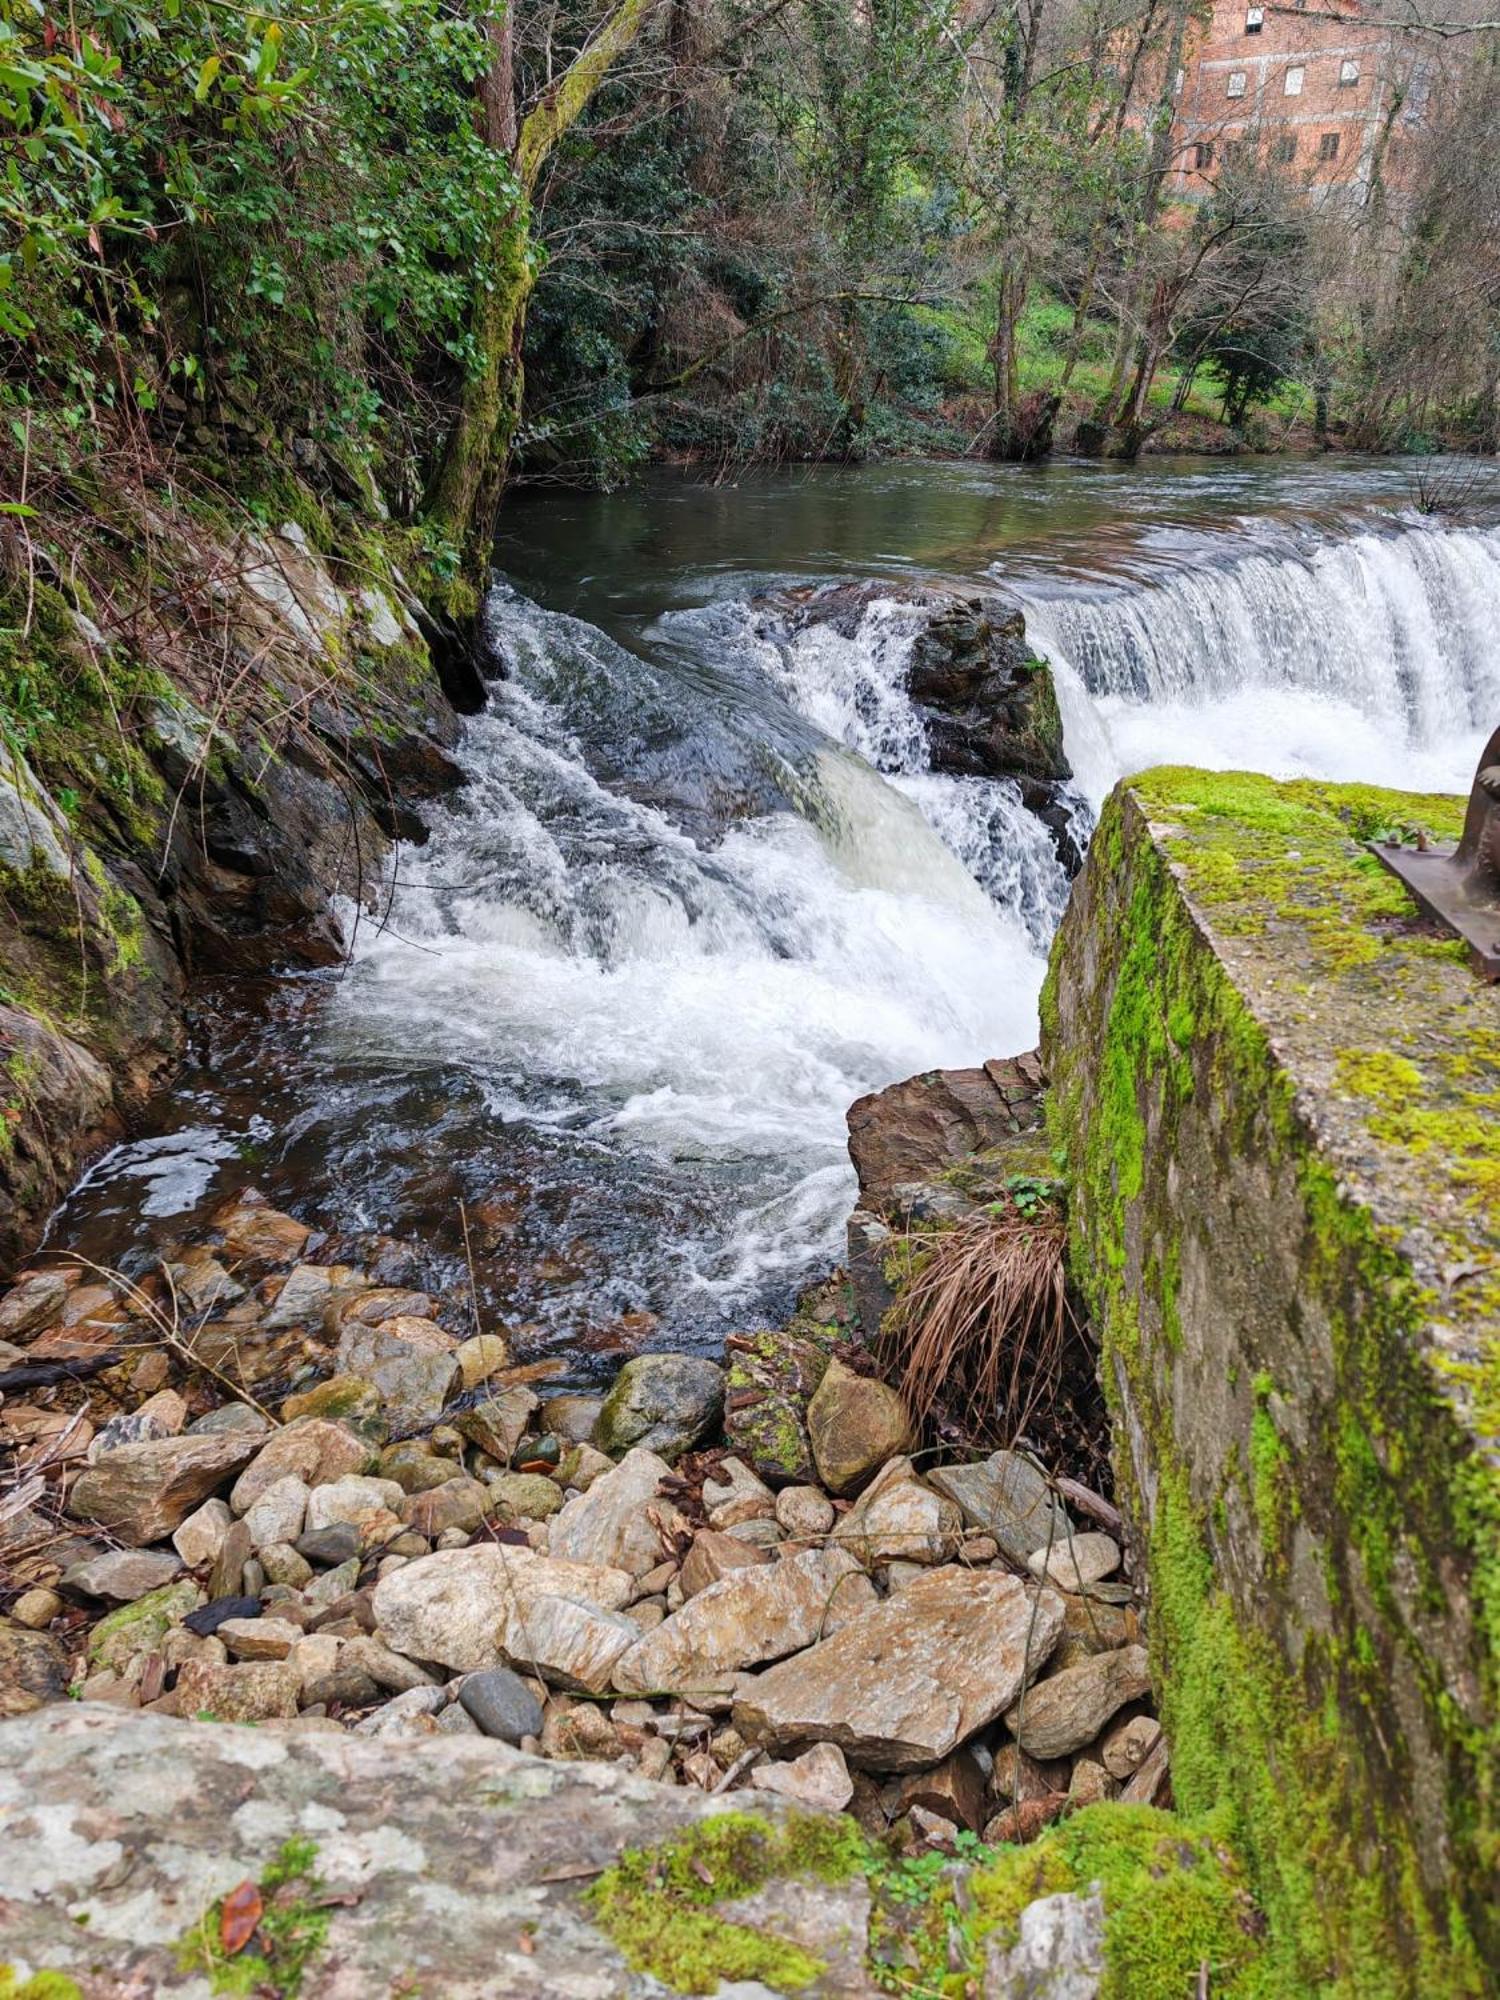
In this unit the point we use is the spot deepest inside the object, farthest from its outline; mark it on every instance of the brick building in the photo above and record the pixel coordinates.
(1318, 91)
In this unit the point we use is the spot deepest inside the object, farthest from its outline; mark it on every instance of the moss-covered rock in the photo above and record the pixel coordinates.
(1277, 1091)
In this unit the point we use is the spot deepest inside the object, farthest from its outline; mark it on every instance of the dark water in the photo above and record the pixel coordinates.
(702, 891)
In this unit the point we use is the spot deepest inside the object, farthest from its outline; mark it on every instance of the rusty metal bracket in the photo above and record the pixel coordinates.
(1460, 886)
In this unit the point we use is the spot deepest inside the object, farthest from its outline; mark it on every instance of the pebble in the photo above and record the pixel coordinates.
(1077, 1562)
(501, 1704)
(36, 1608)
(804, 1512)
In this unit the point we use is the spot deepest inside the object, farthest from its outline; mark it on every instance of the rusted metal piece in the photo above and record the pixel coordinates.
(1460, 886)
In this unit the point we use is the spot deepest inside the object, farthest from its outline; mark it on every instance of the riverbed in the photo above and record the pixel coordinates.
(702, 890)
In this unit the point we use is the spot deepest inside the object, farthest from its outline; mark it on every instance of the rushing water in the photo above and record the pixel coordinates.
(702, 890)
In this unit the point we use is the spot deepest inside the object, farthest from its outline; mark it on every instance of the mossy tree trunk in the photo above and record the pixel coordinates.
(465, 496)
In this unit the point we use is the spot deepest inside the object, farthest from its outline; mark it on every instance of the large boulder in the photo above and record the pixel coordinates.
(855, 1424)
(619, 1523)
(143, 1492)
(666, 1403)
(905, 1683)
(467, 1608)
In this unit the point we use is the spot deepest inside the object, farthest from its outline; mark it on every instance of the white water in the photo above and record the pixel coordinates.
(1375, 659)
(706, 1006)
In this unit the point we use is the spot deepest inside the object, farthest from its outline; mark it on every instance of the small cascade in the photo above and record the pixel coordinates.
(1374, 657)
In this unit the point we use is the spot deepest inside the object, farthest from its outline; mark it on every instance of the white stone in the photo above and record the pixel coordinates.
(199, 1538)
(804, 1512)
(819, 1777)
(734, 1494)
(899, 1519)
(1077, 1562)
(278, 1515)
(620, 1523)
(457, 1606)
(350, 1499)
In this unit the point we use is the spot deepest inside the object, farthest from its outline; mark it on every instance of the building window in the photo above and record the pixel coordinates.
(1236, 83)
(1255, 20)
(1348, 73)
(1284, 151)
(1328, 146)
(1203, 155)
(1293, 83)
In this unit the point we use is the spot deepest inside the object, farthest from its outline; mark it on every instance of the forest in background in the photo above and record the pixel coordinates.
(421, 246)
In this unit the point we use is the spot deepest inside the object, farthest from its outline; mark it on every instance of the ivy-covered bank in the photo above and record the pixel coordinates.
(1278, 1093)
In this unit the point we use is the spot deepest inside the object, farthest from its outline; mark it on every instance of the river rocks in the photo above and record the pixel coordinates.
(1059, 1954)
(410, 1362)
(733, 1495)
(501, 1704)
(350, 1498)
(251, 1693)
(143, 1491)
(1076, 1563)
(498, 1424)
(665, 1403)
(1006, 1496)
(804, 1512)
(255, 1233)
(307, 1293)
(313, 1448)
(819, 1778)
(1067, 1710)
(346, 1399)
(760, 1613)
(619, 1523)
(918, 1130)
(571, 1418)
(525, 1496)
(570, 1643)
(899, 1519)
(713, 1555)
(162, 1415)
(460, 1503)
(854, 1424)
(456, 1606)
(279, 1513)
(908, 1681)
(771, 1379)
(33, 1670)
(121, 1575)
(415, 1466)
(480, 1358)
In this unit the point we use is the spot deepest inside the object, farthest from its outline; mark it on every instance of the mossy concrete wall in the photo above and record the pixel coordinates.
(1278, 1094)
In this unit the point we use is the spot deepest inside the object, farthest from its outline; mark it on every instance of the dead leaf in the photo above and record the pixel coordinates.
(239, 1917)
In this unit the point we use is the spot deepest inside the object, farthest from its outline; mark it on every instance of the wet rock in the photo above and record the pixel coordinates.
(854, 1425)
(160, 1416)
(899, 1519)
(257, 1692)
(308, 1292)
(313, 1448)
(33, 1302)
(771, 1379)
(919, 1129)
(1068, 1709)
(751, 1615)
(346, 1399)
(415, 1373)
(1006, 1496)
(498, 1424)
(200, 1282)
(501, 1704)
(121, 1575)
(804, 1513)
(713, 1556)
(457, 1606)
(526, 1496)
(458, 1503)
(620, 1523)
(278, 1515)
(1076, 1563)
(818, 1778)
(33, 1670)
(256, 1233)
(905, 1683)
(665, 1403)
(480, 1358)
(733, 1495)
(201, 1535)
(142, 1492)
(1058, 1956)
(571, 1418)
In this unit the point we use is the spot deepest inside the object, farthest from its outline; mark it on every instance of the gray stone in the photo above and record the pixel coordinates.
(120, 1576)
(461, 1607)
(230, 1417)
(620, 1523)
(201, 1535)
(1058, 1956)
(278, 1514)
(484, 1848)
(501, 1704)
(1068, 1709)
(1077, 1562)
(905, 1683)
(415, 1379)
(308, 1292)
(1006, 1496)
(329, 1547)
(665, 1403)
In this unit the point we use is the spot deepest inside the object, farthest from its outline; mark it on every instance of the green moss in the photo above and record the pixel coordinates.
(291, 1931)
(136, 1628)
(1299, 1752)
(661, 1906)
(40, 1986)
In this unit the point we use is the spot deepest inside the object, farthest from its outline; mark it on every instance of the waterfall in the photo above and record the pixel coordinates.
(1372, 658)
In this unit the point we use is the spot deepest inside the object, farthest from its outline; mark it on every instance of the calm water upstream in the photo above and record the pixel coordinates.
(702, 890)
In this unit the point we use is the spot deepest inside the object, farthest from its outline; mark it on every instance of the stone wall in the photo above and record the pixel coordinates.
(1278, 1094)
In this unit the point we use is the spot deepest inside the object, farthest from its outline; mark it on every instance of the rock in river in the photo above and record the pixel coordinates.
(666, 1403)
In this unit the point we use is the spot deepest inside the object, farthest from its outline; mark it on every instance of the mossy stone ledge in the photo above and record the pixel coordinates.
(1279, 1095)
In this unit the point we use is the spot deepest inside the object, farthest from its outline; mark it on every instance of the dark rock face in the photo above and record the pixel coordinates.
(916, 1130)
(988, 704)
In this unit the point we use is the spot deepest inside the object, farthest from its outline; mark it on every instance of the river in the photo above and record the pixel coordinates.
(702, 890)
